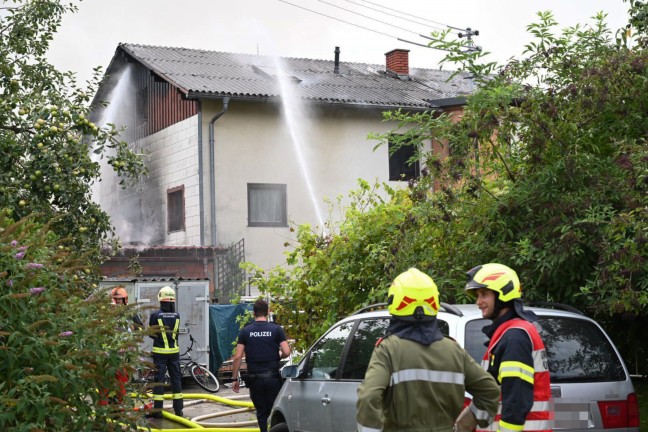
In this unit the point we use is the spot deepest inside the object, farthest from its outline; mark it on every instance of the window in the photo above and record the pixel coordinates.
(578, 351)
(362, 345)
(267, 205)
(175, 209)
(400, 166)
(324, 358)
(476, 341)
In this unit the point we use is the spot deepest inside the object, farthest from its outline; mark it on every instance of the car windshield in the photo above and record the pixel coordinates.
(577, 349)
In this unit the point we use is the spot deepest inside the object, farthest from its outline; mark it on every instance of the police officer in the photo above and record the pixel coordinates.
(264, 344)
(166, 351)
(416, 377)
(515, 355)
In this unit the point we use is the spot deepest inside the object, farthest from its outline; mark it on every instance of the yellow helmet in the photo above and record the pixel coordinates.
(413, 296)
(496, 277)
(166, 294)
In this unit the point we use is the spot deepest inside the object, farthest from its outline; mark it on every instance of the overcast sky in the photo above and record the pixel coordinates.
(89, 38)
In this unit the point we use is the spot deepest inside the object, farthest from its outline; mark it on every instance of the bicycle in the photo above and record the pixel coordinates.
(200, 373)
(189, 367)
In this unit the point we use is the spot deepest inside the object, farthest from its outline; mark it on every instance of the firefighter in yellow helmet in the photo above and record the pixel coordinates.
(516, 355)
(166, 351)
(416, 377)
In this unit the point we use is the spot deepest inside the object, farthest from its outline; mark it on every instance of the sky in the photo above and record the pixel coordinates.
(306, 28)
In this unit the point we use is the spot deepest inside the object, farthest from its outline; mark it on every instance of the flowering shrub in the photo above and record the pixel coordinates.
(60, 350)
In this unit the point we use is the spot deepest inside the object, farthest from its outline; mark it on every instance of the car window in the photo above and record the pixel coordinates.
(361, 348)
(578, 351)
(444, 327)
(324, 357)
(476, 341)
(363, 342)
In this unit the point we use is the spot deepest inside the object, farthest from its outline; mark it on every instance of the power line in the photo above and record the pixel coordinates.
(405, 13)
(338, 19)
(362, 27)
(366, 16)
(396, 16)
(423, 45)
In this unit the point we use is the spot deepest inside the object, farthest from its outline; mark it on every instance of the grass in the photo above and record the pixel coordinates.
(641, 388)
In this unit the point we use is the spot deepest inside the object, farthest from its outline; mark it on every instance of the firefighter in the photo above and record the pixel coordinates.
(416, 377)
(516, 355)
(120, 297)
(166, 351)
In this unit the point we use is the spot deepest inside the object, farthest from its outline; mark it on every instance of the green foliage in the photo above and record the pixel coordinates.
(60, 351)
(383, 233)
(60, 348)
(45, 133)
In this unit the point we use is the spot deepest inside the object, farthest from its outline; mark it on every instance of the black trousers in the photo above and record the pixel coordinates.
(170, 362)
(263, 392)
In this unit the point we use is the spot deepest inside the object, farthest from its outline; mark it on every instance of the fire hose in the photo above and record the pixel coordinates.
(211, 427)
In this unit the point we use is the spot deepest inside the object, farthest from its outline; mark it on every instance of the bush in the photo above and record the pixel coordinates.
(60, 350)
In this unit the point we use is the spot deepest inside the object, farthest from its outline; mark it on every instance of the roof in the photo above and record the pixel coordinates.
(211, 74)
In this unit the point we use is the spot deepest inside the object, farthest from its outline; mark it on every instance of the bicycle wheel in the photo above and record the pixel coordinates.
(204, 378)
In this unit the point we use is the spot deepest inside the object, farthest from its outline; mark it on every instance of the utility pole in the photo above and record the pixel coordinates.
(468, 34)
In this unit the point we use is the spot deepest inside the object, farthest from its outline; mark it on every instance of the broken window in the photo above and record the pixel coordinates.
(175, 209)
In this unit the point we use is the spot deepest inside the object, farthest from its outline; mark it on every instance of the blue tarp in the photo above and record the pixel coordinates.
(223, 331)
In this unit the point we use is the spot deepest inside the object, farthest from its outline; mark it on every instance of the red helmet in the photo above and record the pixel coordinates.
(119, 293)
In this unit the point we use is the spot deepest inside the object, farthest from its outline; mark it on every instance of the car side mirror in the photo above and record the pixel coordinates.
(290, 371)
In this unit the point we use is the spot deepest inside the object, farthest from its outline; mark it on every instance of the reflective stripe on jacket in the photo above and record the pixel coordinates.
(410, 387)
(541, 416)
(166, 340)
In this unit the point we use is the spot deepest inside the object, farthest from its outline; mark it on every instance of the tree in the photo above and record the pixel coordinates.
(45, 134)
(61, 347)
(547, 173)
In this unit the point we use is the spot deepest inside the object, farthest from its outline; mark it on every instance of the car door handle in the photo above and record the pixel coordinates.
(326, 400)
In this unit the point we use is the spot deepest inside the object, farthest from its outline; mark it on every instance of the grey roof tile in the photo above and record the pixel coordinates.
(213, 74)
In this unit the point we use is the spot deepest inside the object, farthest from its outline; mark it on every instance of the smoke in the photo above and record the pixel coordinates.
(128, 216)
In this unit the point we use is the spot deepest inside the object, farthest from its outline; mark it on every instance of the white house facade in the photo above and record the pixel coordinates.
(241, 147)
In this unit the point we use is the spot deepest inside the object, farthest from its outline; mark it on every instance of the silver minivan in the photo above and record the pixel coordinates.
(590, 383)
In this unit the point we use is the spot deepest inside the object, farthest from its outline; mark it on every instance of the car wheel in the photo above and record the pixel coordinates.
(279, 427)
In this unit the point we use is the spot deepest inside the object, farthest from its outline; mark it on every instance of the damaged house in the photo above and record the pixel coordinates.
(240, 146)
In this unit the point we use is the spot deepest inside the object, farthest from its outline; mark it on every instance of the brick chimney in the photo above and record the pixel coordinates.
(398, 62)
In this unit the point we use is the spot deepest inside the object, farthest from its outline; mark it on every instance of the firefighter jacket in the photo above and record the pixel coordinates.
(165, 340)
(412, 387)
(516, 357)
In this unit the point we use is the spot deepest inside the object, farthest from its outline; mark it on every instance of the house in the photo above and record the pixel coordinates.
(238, 146)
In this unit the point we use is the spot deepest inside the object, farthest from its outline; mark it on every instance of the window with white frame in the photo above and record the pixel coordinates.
(267, 205)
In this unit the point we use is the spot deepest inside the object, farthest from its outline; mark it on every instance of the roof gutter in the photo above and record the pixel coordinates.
(212, 173)
(448, 102)
(266, 99)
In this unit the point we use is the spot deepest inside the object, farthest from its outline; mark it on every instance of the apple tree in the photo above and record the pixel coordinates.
(61, 342)
(49, 150)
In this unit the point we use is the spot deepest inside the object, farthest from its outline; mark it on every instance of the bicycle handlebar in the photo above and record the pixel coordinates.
(190, 347)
